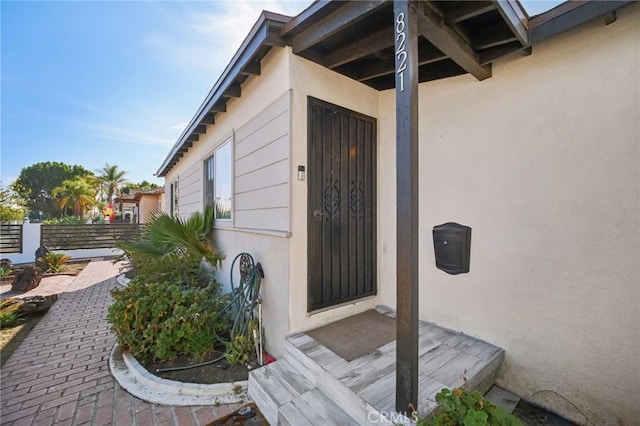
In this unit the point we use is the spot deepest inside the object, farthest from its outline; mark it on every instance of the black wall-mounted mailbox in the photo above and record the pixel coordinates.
(452, 245)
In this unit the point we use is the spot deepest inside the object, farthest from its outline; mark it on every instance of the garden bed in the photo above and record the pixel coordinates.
(215, 370)
(71, 268)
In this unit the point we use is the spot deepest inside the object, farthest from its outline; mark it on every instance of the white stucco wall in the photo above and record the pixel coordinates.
(269, 247)
(542, 161)
(309, 79)
(271, 252)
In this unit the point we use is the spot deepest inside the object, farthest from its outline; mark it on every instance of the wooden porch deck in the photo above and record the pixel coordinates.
(363, 390)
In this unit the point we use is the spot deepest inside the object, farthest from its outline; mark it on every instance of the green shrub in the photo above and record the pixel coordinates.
(5, 271)
(53, 262)
(462, 408)
(9, 315)
(171, 248)
(10, 319)
(67, 220)
(241, 350)
(158, 321)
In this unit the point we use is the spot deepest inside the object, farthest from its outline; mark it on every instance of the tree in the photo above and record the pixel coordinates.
(100, 195)
(12, 206)
(112, 178)
(142, 186)
(78, 193)
(178, 244)
(37, 181)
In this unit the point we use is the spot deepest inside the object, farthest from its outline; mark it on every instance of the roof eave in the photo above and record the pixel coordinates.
(265, 32)
(568, 15)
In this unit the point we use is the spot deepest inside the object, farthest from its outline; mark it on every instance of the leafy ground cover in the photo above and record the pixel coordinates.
(172, 313)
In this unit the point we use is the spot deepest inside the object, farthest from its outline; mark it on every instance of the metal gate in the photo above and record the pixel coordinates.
(342, 205)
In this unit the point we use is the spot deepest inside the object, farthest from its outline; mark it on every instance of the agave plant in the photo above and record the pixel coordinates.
(5, 271)
(53, 262)
(10, 312)
(181, 244)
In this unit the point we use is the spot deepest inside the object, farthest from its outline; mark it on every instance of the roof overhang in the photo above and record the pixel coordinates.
(356, 39)
(456, 37)
(246, 62)
(570, 14)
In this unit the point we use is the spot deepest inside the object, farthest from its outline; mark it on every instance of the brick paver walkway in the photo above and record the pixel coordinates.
(59, 374)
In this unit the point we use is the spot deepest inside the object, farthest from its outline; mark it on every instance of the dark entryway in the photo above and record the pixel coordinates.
(342, 205)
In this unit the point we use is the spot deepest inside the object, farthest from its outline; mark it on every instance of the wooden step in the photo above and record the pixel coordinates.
(317, 361)
(274, 385)
(313, 408)
(313, 385)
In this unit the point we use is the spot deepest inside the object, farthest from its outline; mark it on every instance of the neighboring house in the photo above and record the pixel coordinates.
(529, 133)
(149, 202)
(140, 205)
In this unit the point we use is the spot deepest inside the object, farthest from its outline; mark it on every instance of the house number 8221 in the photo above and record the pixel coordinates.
(401, 52)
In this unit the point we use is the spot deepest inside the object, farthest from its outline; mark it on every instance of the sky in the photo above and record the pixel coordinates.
(116, 82)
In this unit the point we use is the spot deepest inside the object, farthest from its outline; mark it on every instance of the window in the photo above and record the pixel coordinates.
(173, 198)
(217, 181)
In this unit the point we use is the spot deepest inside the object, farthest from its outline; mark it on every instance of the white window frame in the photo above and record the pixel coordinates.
(173, 200)
(228, 141)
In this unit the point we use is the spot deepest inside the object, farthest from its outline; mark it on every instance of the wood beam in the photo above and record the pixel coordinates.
(406, 43)
(433, 27)
(291, 27)
(193, 137)
(426, 55)
(363, 47)
(200, 128)
(492, 36)
(441, 69)
(252, 68)
(515, 18)
(568, 15)
(467, 10)
(233, 91)
(210, 118)
(331, 24)
(220, 106)
(494, 53)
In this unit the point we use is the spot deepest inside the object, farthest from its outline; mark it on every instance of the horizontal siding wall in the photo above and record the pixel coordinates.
(262, 169)
(190, 190)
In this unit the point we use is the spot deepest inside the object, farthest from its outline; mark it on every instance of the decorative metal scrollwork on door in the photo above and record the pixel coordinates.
(356, 199)
(331, 199)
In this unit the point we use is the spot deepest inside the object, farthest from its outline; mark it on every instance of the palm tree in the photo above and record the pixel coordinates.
(98, 187)
(76, 193)
(181, 243)
(111, 178)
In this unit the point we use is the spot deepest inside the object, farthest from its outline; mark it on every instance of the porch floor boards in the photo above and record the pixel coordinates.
(367, 384)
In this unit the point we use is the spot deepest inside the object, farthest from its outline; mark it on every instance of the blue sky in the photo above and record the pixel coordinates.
(116, 82)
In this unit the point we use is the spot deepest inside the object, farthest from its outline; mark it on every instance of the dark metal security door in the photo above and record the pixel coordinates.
(342, 205)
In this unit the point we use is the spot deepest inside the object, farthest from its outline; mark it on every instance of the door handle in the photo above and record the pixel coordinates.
(317, 213)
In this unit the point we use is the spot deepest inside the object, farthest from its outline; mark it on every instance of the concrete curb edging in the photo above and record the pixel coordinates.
(122, 280)
(136, 380)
